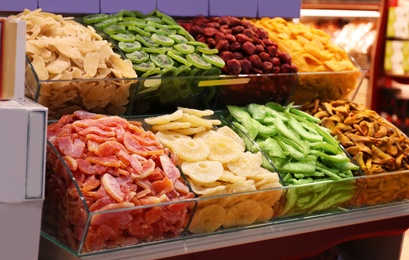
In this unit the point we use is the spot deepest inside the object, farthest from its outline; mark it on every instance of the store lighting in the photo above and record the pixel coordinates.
(338, 13)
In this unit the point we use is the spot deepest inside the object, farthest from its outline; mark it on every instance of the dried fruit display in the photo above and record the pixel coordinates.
(377, 146)
(310, 161)
(312, 50)
(246, 49)
(233, 188)
(66, 55)
(165, 57)
(111, 184)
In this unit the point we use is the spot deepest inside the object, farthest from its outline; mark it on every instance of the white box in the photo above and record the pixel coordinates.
(22, 150)
(20, 227)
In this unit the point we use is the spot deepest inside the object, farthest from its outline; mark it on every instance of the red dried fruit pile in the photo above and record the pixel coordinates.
(245, 48)
(115, 165)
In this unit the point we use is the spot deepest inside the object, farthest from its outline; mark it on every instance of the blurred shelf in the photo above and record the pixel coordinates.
(284, 229)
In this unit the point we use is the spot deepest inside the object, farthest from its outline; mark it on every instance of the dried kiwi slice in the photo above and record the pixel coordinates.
(115, 28)
(129, 46)
(198, 61)
(162, 50)
(123, 37)
(165, 31)
(94, 18)
(147, 41)
(178, 38)
(149, 28)
(107, 22)
(154, 19)
(167, 71)
(151, 72)
(126, 13)
(197, 44)
(162, 40)
(184, 48)
(144, 66)
(137, 56)
(180, 72)
(207, 50)
(161, 60)
(185, 33)
(177, 57)
(157, 25)
(139, 31)
(214, 59)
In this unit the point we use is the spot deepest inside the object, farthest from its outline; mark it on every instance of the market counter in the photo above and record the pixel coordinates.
(379, 227)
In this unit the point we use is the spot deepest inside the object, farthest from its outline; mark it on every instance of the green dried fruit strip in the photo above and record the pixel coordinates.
(213, 59)
(151, 72)
(161, 60)
(177, 57)
(207, 50)
(157, 25)
(197, 44)
(137, 56)
(123, 37)
(167, 71)
(144, 66)
(198, 61)
(107, 22)
(184, 48)
(147, 41)
(94, 18)
(129, 46)
(126, 13)
(162, 40)
(139, 31)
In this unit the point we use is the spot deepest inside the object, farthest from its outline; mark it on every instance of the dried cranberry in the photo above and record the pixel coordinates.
(238, 29)
(242, 38)
(267, 67)
(233, 66)
(230, 38)
(209, 32)
(219, 36)
(248, 48)
(246, 66)
(272, 50)
(235, 46)
(256, 61)
(238, 55)
(262, 34)
(285, 57)
(226, 55)
(213, 25)
(264, 56)
(259, 48)
(222, 45)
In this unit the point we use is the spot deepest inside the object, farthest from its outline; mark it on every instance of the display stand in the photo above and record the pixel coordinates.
(287, 240)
